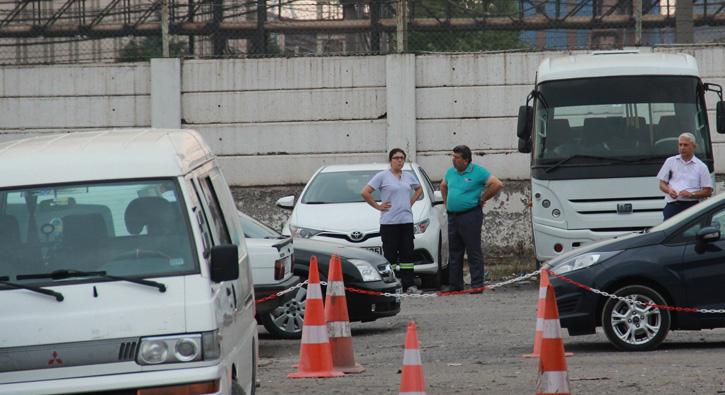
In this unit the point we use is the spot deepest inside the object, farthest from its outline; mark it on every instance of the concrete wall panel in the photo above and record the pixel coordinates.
(477, 133)
(281, 106)
(70, 112)
(228, 75)
(470, 102)
(503, 164)
(295, 137)
(75, 80)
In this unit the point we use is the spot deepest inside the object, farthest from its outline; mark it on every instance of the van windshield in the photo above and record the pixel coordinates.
(134, 228)
(599, 121)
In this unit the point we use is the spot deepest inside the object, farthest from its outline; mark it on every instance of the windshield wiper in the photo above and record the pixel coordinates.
(57, 295)
(561, 162)
(63, 274)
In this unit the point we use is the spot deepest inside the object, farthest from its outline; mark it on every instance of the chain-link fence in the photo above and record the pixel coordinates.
(74, 31)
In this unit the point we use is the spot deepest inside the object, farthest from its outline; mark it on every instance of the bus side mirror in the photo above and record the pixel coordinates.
(525, 146)
(720, 117)
(523, 129)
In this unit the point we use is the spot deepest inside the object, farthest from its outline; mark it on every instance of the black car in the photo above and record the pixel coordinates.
(361, 269)
(679, 263)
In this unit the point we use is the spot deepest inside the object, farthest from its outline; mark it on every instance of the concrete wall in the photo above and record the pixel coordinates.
(273, 122)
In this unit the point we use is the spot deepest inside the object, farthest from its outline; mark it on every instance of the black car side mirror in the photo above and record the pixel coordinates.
(706, 235)
(224, 263)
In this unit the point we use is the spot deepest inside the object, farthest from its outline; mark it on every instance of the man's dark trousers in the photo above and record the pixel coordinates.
(676, 207)
(464, 235)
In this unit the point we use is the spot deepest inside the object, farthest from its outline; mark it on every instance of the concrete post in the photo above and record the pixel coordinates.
(166, 93)
(400, 99)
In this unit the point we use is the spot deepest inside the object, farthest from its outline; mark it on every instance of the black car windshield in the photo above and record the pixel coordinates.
(129, 229)
(254, 229)
(630, 118)
(342, 187)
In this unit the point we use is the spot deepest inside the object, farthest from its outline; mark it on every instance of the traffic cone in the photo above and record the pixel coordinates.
(541, 306)
(315, 354)
(412, 381)
(553, 376)
(338, 321)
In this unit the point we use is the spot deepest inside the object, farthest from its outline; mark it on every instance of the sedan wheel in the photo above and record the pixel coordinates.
(286, 321)
(636, 326)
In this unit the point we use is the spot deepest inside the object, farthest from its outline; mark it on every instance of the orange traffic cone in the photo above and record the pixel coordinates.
(553, 376)
(412, 381)
(338, 321)
(543, 285)
(315, 355)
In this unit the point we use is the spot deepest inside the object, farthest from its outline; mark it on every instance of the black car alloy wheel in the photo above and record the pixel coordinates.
(633, 326)
(286, 321)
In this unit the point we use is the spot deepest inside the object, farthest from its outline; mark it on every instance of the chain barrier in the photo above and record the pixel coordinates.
(630, 300)
(477, 290)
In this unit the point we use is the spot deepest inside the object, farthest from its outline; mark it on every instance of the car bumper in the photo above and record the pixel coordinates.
(363, 307)
(264, 290)
(578, 308)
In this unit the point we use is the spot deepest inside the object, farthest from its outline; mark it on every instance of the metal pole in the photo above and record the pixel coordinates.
(684, 33)
(165, 28)
(637, 5)
(401, 19)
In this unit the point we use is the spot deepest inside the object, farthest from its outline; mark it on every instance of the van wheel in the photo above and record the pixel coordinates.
(634, 326)
(286, 321)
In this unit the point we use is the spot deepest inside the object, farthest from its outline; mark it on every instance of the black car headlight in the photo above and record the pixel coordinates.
(368, 272)
(178, 348)
(583, 260)
(305, 233)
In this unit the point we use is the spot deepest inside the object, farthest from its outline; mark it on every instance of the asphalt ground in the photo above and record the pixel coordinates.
(473, 344)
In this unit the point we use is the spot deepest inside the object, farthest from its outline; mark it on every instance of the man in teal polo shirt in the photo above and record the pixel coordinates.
(466, 187)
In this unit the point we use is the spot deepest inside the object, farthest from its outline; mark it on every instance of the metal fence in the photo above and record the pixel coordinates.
(75, 31)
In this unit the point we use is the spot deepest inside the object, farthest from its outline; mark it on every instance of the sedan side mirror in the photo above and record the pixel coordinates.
(224, 263)
(437, 198)
(287, 202)
(706, 235)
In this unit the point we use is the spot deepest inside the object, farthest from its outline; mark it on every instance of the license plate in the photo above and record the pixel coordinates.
(377, 250)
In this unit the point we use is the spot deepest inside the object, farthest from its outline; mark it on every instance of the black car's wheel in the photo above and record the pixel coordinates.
(633, 326)
(286, 321)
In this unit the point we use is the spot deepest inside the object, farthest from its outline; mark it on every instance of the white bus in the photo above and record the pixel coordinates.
(599, 127)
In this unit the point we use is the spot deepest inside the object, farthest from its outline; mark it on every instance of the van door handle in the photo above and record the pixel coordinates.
(248, 300)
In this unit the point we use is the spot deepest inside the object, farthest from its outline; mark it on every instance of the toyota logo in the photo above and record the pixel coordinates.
(356, 236)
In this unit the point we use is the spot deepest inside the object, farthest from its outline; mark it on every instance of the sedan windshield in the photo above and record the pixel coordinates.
(121, 229)
(342, 187)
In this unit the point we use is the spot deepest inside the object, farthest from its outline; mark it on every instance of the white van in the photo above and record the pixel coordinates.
(123, 268)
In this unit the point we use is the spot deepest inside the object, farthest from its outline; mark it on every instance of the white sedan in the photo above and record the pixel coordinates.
(331, 209)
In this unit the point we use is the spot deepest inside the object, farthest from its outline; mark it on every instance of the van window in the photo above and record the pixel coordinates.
(216, 220)
(132, 228)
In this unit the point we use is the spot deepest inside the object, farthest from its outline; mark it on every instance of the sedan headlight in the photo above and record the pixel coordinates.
(367, 270)
(421, 226)
(179, 348)
(305, 233)
(582, 261)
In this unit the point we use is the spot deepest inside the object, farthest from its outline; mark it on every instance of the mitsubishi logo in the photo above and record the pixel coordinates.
(55, 359)
(356, 236)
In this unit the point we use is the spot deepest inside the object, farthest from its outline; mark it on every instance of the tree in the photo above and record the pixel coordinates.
(463, 41)
(150, 47)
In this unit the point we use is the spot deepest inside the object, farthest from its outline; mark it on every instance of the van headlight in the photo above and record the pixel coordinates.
(582, 261)
(367, 270)
(179, 348)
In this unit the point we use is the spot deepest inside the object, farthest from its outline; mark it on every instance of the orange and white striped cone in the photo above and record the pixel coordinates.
(338, 321)
(553, 376)
(541, 305)
(412, 381)
(315, 354)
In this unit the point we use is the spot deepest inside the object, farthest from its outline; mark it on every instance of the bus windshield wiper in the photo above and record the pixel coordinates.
(57, 295)
(561, 162)
(63, 274)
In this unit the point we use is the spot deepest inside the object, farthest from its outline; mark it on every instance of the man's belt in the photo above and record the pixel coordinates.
(453, 213)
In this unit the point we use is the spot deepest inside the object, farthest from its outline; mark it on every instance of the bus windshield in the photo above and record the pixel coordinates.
(632, 118)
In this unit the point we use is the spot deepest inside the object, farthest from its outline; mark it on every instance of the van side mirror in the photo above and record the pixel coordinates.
(224, 263)
(706, 235)
(437, 198)
(720, 117)
(523, 129)
(287, 202)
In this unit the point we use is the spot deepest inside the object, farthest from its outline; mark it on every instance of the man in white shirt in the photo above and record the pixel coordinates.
(684, 179)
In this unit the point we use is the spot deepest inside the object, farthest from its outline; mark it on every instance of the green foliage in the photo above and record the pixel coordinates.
(464, 41)
(138, 50)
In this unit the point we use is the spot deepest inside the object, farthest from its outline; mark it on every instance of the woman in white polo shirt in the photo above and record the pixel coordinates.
(398, 191)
